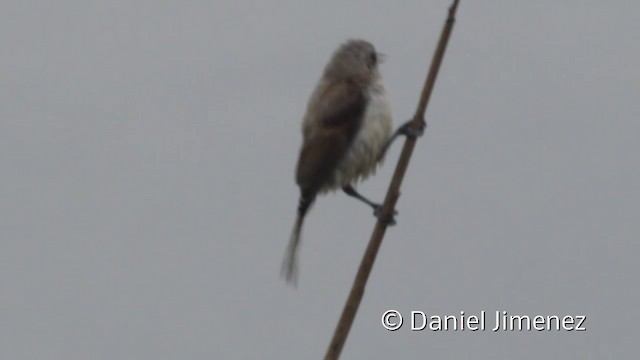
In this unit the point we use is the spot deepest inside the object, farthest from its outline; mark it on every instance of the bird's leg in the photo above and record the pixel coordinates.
(377, 208)
(349, 190)
(407, 130)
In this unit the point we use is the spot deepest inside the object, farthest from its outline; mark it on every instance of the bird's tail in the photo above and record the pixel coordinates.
(289, 265)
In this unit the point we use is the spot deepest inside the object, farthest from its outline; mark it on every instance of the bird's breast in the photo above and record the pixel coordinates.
(361, 159)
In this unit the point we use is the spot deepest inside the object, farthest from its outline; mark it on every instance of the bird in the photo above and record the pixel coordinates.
(346, 130)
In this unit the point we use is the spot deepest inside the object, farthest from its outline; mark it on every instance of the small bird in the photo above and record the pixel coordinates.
(346, 130)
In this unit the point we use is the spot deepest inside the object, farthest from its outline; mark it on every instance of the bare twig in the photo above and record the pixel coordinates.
(357, 289)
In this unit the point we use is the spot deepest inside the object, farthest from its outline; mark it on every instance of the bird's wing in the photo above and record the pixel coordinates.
(338, 118)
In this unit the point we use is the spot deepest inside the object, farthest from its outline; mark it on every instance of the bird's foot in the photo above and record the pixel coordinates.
(409, 131)
(388, 220)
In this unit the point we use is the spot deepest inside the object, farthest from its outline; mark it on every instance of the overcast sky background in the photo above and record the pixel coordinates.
(147, 151)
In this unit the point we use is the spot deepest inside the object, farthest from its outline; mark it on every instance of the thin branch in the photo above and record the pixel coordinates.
(357, 289)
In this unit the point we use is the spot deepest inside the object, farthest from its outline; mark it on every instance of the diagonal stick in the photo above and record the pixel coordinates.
(357, 289)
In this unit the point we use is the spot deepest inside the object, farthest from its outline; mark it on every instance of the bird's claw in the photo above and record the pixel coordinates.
(388, 220)
(409, 131)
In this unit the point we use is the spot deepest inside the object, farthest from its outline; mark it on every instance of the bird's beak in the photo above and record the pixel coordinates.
(381, 57)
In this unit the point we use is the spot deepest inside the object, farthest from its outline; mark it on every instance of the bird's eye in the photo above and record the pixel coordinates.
(372, 60)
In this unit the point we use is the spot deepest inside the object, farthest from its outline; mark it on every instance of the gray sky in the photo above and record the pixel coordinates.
(147, 152)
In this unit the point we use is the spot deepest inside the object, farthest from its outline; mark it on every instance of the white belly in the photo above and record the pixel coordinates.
(361, 160)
